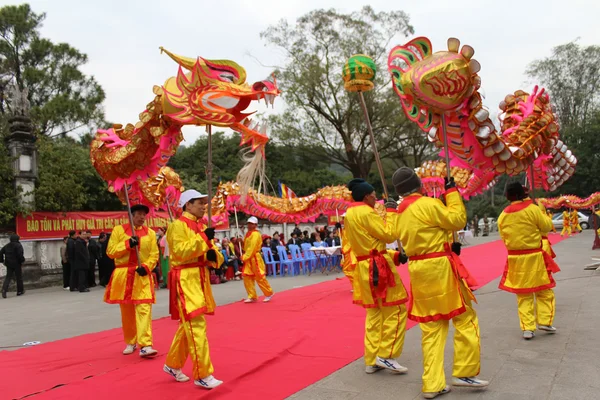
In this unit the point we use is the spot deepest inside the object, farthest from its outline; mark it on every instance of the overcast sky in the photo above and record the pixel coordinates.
(121, 38)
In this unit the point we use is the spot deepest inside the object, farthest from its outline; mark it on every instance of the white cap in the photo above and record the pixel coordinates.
(190, 195)
(253, 220)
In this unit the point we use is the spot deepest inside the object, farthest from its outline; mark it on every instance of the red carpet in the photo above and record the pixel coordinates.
(261, 351)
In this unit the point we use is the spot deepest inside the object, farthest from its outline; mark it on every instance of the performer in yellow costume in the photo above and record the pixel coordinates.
(254, 265)
(529, 269)
(439, 283)
(192, 252)
(349, 258)
(566, 230)
(377, 285)
(130, 286)
(576, 227)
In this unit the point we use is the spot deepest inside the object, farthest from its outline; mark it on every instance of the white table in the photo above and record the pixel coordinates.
(326, 251)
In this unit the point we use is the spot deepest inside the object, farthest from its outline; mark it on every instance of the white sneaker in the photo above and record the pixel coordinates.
(371, 369)
(210, 382)
(66, 289)
(433, 395)
(472, 381)
(267, 299)
(528, 335)
(129, 349)
(176, 373)
(547, 328)
(250, 301)
(391, 364)
(148, 351)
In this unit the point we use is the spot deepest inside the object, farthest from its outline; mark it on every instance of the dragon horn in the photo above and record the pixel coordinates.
(185, 62)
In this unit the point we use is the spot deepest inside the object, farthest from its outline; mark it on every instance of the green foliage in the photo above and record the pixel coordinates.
(321, 116)
(290, 165)
(67, 180)
(62, 97)
(9, 202)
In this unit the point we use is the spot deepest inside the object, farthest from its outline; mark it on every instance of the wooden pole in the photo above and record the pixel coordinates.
(447, 156)
(375, 151)
(137, 248)
(209, 175)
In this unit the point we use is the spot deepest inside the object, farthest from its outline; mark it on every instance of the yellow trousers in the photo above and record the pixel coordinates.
(349, 275)
(263, 284)
(545, 304)
(136, 320)
(384, 332)
(190, 339)
(466, 348)
(565, 230)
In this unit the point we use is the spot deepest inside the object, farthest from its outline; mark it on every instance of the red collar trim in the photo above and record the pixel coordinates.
(406, 202)
(250, 233)
(138, 232)
(193, 225)
(518, 206)
(358, 204)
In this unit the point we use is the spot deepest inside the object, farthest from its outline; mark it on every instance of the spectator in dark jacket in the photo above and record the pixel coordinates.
(11, 255)
(95, 251)
(80, 263)
(106, 265)
(71, 256)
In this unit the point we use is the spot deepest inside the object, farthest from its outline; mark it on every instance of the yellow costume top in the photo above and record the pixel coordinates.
(254, 264)
(189, 278)
(435, 272)
(528, 269)
(349, 261)
(367, 235)
(126, 286)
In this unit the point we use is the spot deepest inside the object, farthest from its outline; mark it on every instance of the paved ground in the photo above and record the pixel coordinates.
(563, 366)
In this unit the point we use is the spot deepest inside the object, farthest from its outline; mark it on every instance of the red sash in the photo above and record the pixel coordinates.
(457, 266)
(386, 277)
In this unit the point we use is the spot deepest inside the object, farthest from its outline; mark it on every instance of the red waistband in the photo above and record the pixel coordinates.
(372, 253)
(126, 266)
(522, 252)
(190, 265)
(438, 254)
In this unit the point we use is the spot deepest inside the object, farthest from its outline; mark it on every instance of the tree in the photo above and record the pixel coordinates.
(321, 116)
(62, 97)
(67, 179)
(9, 201)
(572, 76)
(290, 165)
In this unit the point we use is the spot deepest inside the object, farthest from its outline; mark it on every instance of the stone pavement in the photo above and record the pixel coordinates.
(561, 366)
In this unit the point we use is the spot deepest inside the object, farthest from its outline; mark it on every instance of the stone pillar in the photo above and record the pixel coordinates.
(21, 145)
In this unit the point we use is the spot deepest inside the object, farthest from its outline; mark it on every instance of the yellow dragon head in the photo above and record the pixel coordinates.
(215, 92)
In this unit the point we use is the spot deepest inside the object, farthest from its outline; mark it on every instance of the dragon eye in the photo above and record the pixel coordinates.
(227, 76)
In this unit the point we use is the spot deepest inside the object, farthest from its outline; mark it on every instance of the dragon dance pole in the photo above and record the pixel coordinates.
(531, 194)
(209, 174)
(237, 228)
(447, 155)
(375, 151)
(137, 248)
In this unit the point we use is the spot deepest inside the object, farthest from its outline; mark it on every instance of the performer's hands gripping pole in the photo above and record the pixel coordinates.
(137, 249)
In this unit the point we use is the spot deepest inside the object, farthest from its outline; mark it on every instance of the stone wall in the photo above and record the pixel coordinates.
(42, 263)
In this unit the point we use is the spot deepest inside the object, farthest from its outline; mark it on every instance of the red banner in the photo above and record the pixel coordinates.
(49, 225)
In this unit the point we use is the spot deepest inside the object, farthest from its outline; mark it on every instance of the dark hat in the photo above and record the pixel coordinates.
(515, 191)
(360, 188)
(406, 181)
(140, 207)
